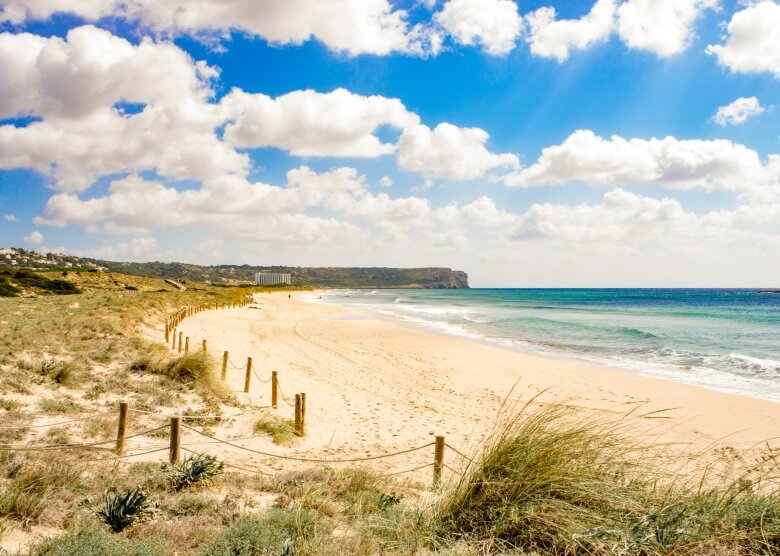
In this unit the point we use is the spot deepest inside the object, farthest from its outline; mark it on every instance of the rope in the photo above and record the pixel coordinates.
(241, 368)
(407, 471)
(13, 448)
(234, 466)
(314, 460)
(55, 424)
(122, 457)
(258, 377)
(222, 417)
(461, 454)
(285, 399)
(451, 469)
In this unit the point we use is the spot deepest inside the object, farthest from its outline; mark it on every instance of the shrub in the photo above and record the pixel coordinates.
(120, 509)
(281, 531)
(197, 468)
(93, 542)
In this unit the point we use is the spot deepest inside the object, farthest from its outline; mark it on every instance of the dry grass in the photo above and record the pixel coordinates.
(281, 430)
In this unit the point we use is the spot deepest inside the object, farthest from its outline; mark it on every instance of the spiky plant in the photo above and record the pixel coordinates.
(197, 468)
(120, 509)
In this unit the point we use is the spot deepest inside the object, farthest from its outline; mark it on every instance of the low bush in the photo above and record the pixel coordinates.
(121, 509)
(91, 541)
(195, 469)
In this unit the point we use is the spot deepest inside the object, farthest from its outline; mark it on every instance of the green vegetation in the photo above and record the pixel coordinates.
(281, 430)
(14, 282)
(195, 469)
(333, 277)
(122, 509)
(550, 483)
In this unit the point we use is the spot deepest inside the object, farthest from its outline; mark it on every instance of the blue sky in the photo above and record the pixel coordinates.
(578, 143)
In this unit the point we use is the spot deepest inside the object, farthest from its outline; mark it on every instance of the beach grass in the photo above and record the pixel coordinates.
(554, 481)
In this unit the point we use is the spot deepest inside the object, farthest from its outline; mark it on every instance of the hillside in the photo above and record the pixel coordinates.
(232, 275)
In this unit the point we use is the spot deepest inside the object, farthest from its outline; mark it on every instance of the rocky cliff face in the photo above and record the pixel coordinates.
(450, 279)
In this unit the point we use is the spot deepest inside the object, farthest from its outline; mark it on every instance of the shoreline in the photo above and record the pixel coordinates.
(742, 386)
(376, 387)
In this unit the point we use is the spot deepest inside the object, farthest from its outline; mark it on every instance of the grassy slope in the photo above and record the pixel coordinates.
(547, 483)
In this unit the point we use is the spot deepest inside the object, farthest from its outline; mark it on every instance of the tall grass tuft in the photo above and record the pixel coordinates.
(553, 483)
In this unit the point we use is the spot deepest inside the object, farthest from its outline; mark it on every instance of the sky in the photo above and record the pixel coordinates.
(530, 143)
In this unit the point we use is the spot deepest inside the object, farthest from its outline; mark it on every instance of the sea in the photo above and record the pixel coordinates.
(723, 339)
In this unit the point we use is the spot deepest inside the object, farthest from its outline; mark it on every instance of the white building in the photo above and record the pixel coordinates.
(272, 278)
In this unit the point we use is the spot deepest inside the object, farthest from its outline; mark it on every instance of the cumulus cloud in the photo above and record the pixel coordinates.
(35, 238)
(664, 27)
(449, 152)
(139, 248)
(738, 111)
(677, 164)
(752, 43)
(9, 217)
(350, 26)
(74, 85)
(309, 123)
(493, 24)
(556, 38)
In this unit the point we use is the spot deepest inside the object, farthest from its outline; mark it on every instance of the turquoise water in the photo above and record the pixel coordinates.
(727, 340)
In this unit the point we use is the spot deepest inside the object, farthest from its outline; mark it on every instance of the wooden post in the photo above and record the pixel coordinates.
(224, 366)
(248, 374)
(120, 431)
(303, 413)
(181, 334)
(274, 389)
(204, 346)
(175, 439)
(438, 460)
(173, 344)
(187, 346)
(167, 332)
(298, 429)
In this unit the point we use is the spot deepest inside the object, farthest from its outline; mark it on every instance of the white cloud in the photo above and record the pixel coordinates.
(553, 38)
(752, 43)
(738, 111)
(677, 164)
(386, 181)
(9, 217)
(308, 123)
(350, 26)
(449, 152)
(137, 249)
(664, 27)
(73, 85)
(35, 238)
(494, 24)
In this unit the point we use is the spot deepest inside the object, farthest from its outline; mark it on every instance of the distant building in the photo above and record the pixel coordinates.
(272, 278)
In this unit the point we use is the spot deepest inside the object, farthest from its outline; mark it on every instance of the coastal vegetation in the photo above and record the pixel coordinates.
(547, 481)
(234, 275)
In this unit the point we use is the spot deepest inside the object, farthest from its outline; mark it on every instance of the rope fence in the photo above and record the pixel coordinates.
(176, 428)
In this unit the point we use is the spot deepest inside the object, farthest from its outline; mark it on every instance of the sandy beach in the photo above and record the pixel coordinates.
(376, 387)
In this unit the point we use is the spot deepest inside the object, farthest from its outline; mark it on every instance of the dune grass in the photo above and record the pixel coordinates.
(553, 482)
(281, 430)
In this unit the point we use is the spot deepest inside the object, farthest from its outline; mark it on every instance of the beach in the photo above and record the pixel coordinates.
(376, 387)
